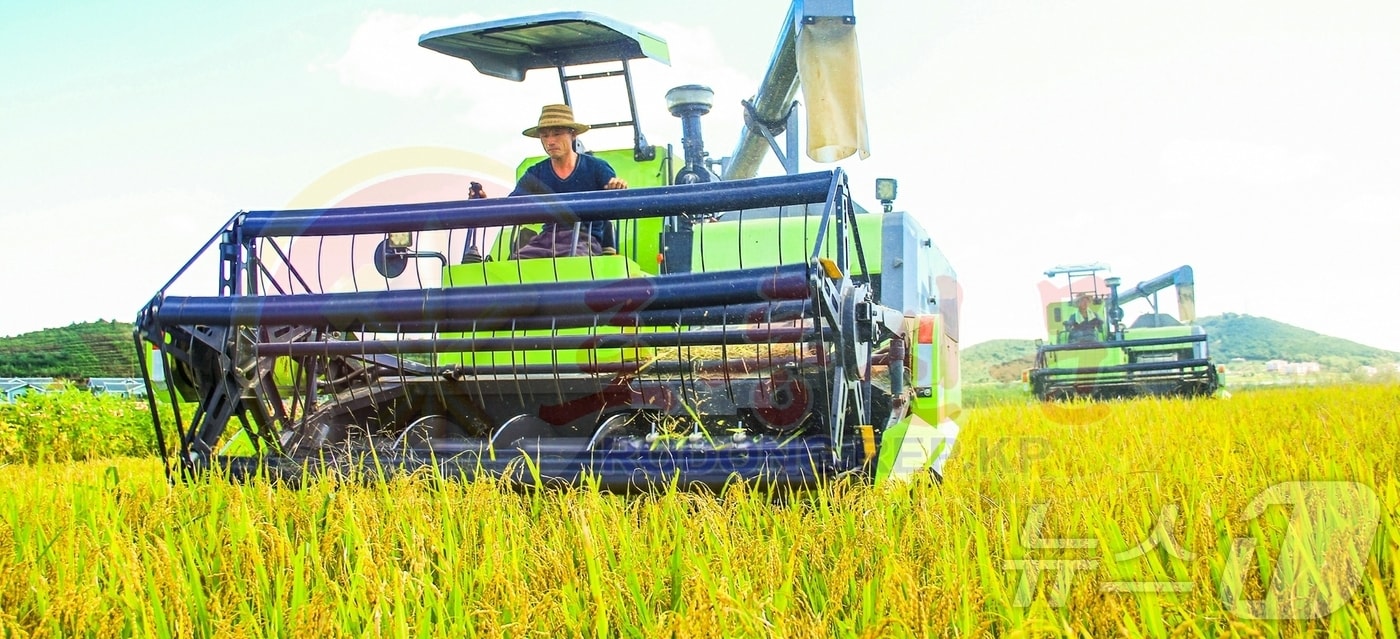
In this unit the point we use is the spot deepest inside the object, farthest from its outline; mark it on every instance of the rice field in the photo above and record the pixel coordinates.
(1272, 513)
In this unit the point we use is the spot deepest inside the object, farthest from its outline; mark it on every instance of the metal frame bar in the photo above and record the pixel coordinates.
(663, 201)
(352, 310)
(1124, 344)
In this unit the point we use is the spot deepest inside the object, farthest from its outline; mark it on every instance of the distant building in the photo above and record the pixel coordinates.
(120, 386)
(1372, 371)
(15, 386)
(1285, 367)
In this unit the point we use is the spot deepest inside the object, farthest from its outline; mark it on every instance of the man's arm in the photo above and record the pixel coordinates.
(527, 185)
(530, 182)
(609, 180)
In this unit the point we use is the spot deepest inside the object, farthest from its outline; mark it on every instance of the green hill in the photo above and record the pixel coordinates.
(998, 360)
(76, 351)
(1260, 338)
(1231, 336)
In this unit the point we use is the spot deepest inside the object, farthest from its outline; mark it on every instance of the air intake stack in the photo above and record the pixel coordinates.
(689, 102)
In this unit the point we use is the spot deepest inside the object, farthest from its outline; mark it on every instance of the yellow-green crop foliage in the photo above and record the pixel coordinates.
(74, 425)
(1070, 493)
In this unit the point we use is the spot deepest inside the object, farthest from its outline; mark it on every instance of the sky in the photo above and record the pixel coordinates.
(1254, 140)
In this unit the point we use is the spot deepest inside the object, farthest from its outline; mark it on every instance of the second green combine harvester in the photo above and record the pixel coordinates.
(757, 327)
(1090, 353)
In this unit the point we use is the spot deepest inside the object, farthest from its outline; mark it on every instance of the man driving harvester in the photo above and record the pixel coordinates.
(566, 171)
(1084, 324)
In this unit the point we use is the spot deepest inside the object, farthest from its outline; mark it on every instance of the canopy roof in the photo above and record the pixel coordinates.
(510, 47)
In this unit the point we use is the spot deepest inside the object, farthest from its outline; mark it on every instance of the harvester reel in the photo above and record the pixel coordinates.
(562, 373)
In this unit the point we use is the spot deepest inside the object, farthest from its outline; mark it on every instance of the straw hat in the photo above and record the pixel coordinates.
(560, 115)
(1084, 297)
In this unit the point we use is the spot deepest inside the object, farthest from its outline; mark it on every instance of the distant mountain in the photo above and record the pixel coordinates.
(1260, 338)
(1231, 335)
(998, 360)
(76, 351)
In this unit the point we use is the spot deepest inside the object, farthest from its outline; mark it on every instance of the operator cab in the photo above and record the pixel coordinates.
(1064, 321)
(579, 46)
(509, 48)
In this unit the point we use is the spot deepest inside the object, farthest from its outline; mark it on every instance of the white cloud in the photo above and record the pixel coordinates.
(383, 55)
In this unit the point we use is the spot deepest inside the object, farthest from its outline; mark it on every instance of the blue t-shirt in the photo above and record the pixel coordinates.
(590, 174)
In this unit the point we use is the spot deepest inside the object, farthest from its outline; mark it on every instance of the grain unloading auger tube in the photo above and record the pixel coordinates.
(774, 365)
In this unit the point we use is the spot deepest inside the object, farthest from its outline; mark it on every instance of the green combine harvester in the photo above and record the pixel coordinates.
(1091, 354)
(757, 327)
